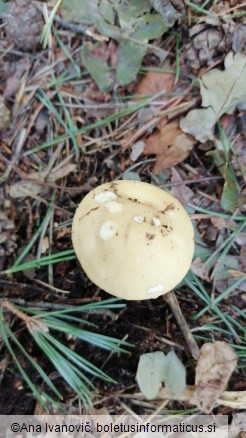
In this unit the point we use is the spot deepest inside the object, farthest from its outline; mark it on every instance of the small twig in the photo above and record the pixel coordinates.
(172, 300)
(233, 399)
(191, 181)
(30, 287)
(53, 288)
(241, 5)
(79, 28)
(46, 305)
(201, 216)
(76, 28)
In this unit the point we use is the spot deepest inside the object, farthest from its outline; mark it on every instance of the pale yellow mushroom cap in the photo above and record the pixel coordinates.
(133, 240)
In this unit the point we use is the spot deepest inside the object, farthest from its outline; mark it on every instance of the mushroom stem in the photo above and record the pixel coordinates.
(172, 300)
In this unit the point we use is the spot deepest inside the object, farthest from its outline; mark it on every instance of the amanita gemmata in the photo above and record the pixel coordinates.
(135, 241)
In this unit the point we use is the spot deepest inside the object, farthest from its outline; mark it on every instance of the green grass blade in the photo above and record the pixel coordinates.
(80, 361)
(62, 256)
(216, 213)
(34, 364)
(133, 107)
(5, 331)
(98, 307)
(105, 342)
(222, 296)
(36, 235)
(68, 372)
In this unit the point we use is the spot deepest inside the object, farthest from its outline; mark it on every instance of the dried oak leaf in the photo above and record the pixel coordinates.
(216, 363)
(170, 145)
(221, 92)
(157, 85)
(31, 188)
(155, 82)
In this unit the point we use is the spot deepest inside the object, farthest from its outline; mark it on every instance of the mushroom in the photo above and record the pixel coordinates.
(135, 241)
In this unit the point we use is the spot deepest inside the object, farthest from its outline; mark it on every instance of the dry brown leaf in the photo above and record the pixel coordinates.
(155, 82)
(170, 145)
(220, 223)
(222, 92)
(236, 274)
(137, 150)
(61, 172)
(26, 188)
(156, 85)
(180, 191)
(100, 411)
(201, 270)
(216, 363)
